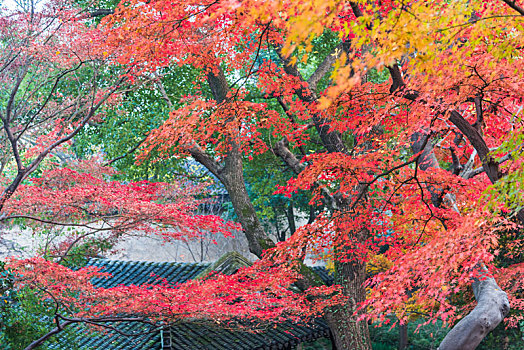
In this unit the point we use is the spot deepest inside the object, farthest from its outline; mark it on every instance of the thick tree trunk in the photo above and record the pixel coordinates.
(347, 332)
(231, 174)
(233, 180)
(492, 307)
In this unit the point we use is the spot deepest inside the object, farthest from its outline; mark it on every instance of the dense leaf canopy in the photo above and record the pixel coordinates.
(399, 125)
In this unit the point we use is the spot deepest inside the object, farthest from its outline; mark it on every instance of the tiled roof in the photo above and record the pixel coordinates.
(78, 336)
(142, 272)
(184, 336)
(207, 337)
(324, 274)
(228, 264)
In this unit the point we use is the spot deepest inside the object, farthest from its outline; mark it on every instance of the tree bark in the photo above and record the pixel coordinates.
(492, 307)
(291, 219)
(403, 337)
(347, 332)
(233, 180)
(492, 302)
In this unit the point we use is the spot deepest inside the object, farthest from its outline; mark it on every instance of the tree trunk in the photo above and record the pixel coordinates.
(492, 302)
(233, 180)
(347, 332)
(492, 307)
(231, 174)
(403, 337)
(291, 220)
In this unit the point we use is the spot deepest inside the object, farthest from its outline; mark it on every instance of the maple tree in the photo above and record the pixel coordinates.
(57, 78)
(424, 146)
(420, 174)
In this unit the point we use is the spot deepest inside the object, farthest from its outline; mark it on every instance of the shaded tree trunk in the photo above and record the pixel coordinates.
(291, 219)
(403, 337)
(233, 180)
(347, 332)
(231, 174)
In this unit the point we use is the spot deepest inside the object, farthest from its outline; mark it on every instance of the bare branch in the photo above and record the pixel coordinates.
(281, 149)
(110, 162)
(68, 321)
(163, 91)
(101, 12)
(14, 92)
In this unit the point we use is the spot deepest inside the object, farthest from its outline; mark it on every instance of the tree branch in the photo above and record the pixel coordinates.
(101, 12)
(514, 6)
(326, 65)
(491, 167)
(68, 321)
(195, 150)
(205, 159)
(492, 302)
(332, 140)
(110, 162)
(281, 149)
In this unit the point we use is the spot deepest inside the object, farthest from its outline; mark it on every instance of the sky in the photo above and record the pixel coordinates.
(12, 4)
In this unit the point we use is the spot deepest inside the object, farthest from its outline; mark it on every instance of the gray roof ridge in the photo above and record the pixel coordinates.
(228, 264)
